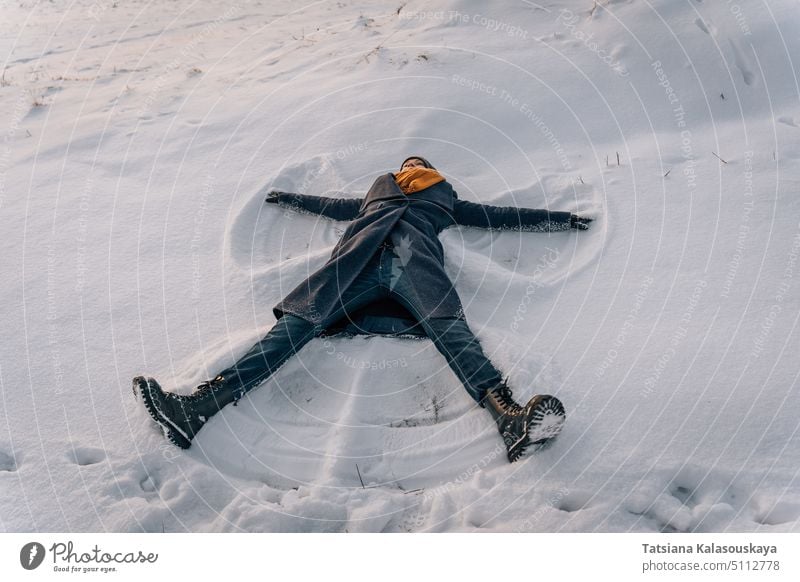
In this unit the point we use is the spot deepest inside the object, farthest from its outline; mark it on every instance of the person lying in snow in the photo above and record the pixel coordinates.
(390, 250)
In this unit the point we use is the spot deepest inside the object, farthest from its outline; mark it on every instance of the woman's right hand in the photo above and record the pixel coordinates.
(273, 197)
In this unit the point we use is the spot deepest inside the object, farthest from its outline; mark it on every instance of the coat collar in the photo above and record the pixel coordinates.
(385, 188)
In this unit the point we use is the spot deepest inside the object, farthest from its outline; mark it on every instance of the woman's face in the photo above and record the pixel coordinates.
(413, 163)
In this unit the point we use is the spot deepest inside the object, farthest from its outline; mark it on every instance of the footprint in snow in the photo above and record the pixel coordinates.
(84, 456)
(771, 511)
(666, 509)
(148, 484)
(131, 479)
(575, 501)
(7, 462)
(685, 494)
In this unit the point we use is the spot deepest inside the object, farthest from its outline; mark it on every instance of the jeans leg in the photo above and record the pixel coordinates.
(454, 340)
(290, 333)
(463, 352)
(287, 336)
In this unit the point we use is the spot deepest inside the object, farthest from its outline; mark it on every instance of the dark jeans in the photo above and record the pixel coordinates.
(381, 278)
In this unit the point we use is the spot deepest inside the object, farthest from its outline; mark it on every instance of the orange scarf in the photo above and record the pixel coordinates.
(416, 179)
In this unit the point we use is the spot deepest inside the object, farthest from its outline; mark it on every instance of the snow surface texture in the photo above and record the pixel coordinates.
(139, 139)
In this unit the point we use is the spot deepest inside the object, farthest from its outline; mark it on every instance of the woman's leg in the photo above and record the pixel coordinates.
(451, 336)
(181, 417)
(290, 333)
(462, 350)
(537, 422)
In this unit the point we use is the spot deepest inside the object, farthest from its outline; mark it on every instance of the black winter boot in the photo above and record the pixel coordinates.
(181, 416)
(536, 423)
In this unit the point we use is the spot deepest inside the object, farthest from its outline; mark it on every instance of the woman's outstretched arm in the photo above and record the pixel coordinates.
(513, 218)
(335, 208)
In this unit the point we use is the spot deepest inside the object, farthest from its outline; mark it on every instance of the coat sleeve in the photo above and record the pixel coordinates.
(509, 217)
(335, 208)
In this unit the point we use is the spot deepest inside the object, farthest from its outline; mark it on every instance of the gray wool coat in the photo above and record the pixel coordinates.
(412, 223)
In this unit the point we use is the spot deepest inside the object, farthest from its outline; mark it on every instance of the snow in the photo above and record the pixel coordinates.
(139, 140)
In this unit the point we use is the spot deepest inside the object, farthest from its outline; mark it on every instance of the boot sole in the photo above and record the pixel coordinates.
(547, 419)
(142, 388)
(547, 416)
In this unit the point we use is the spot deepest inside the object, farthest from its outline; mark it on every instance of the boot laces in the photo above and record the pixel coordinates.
(505, 397)
(208, 387)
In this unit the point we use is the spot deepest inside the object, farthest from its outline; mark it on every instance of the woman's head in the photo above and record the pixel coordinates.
(416, 162)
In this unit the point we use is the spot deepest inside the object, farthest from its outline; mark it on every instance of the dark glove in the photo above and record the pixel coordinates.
(273, 197)
(579, 222)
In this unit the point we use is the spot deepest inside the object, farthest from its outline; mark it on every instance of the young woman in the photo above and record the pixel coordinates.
(390, 251)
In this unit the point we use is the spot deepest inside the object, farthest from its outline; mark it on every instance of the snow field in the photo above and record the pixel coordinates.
(139, 142)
